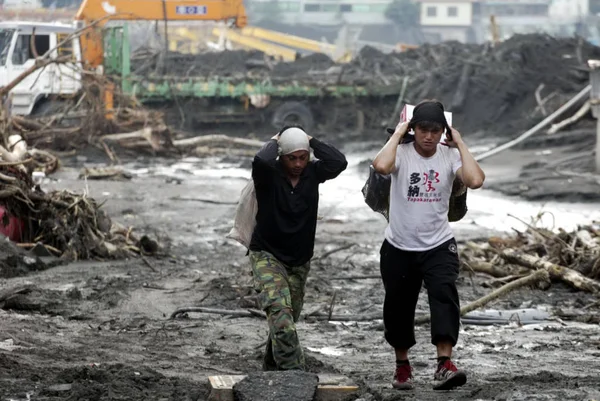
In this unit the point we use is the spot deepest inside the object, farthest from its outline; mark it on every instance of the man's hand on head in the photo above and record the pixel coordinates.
(455, 140)
(401, 128)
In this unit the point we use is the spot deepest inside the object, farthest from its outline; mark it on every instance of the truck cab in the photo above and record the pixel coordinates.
(20, 44)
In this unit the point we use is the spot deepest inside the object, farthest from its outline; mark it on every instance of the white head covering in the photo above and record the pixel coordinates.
(292, 140)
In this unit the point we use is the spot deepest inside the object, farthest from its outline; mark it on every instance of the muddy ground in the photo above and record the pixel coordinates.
(101, 330)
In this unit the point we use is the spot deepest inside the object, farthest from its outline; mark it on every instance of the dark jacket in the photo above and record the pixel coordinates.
(286, 220)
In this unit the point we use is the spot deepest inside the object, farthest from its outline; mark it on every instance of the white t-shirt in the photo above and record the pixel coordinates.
(419, 196)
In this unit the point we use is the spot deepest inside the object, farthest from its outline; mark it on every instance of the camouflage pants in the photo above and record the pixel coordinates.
(281, 295)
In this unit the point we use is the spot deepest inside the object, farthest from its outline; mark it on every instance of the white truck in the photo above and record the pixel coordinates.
(49, 87)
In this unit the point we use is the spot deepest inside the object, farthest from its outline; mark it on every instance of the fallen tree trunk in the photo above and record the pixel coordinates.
(557, 272)
(27, 123)
(491, 269)
(143, 133)
(258, 313)
(199, 140)
(157, 137)
(234, 313)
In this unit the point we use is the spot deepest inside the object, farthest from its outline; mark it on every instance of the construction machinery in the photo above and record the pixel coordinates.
(225, 36)
(208, 100)
(21, 43)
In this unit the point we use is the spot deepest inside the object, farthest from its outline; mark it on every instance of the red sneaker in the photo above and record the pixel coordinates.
(448, 376)
(403, 377)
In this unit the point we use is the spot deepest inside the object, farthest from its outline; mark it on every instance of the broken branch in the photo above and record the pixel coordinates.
(557, 272)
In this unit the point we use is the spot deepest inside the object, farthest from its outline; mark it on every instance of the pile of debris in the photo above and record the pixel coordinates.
(501, 89)
(86, 121)
(68, 225)
(569, 257)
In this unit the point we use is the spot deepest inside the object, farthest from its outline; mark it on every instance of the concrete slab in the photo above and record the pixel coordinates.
(291, 385)
(331, 387)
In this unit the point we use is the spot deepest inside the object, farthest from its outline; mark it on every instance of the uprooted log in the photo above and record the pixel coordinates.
(570, 276)
(158, 138)
(489, 268)
(261, 314)
(85, 120)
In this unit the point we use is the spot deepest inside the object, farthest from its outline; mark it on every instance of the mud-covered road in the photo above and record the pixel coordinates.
(101, 330)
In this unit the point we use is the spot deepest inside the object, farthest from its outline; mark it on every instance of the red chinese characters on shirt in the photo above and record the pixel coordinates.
(421, 187)
(431, 178)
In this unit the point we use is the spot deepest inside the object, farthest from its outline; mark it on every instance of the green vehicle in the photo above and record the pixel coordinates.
(195, 102)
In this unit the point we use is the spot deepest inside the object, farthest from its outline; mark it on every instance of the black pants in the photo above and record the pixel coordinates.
(403, 272)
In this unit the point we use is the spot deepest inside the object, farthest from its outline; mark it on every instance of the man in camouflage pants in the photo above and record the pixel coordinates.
(287, 193)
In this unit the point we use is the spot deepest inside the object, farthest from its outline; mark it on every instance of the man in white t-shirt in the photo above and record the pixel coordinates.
(419, 244)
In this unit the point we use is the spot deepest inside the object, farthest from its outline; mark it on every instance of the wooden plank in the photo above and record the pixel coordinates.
(221, 387)
(330, 388)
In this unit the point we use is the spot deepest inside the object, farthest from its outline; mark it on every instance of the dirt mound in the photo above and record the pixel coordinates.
(225, 64)
(491, 89)
(11, 366)
(303, 67)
